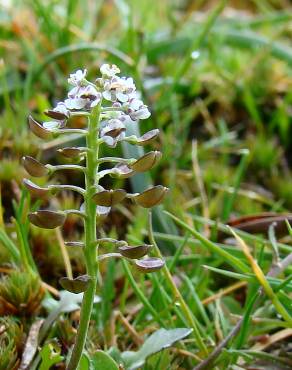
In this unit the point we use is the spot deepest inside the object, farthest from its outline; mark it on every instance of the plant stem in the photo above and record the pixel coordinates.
(90, 249)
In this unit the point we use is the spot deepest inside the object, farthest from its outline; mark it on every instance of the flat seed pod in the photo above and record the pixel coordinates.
(74, 244)
(136, 251)
(148, 137)
(122, 171)
(146, 162)
(150, 264)
(151, 197)
(60, 116)
(70, 152)
(35, 190)
(34, 167)
(47, 219)
(108, 198)
(77, 285)
(38, 129)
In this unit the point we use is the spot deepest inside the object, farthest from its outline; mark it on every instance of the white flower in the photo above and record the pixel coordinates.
(77, 78)
(75, 103)
(136, 109)
(61, 108)
(112, 131)
(109, 70)
(142, 113)
(52, 125)
(83, 97)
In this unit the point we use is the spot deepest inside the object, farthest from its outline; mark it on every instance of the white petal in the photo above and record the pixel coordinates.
(51, 125)
(122, 97)
(76, 103)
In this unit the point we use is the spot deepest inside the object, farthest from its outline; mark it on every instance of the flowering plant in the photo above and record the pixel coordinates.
(110, 104)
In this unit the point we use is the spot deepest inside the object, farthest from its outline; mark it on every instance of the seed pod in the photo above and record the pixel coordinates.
(34, 167)
(77, 285)
(70, 152)
(151, 197)
(136, 251)
(47, 219)
(147, 137)
(146, 162)
(108, 198)
(58, 115)
(38, 129)
(149, 264)
(35, 190)
(122, 171)
(74, 244)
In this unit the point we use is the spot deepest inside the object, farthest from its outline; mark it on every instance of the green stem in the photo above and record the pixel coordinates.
(90, 249)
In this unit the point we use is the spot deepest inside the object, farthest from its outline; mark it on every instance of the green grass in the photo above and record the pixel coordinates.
(216, 81)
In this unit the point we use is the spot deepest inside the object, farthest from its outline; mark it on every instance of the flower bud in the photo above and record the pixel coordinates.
(147, 137)
(70, 152)
(136, 251)
(146, 162)
(122, 171)
(47, 219)
(77, 285)
(151, 197)
(35, 190)
(109, 198)
(149, 264)
(38, 129)
(34, 167)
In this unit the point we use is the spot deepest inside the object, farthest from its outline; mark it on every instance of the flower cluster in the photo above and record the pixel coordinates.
(120, 99)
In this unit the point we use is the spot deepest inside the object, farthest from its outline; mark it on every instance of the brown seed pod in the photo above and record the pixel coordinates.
(60, 116)
(151, 197)
(108, 198)
(122, 171)
(136, 251)
(77, 285)
(38, 129)
(70, 152)
(34, 167)
(150, 264)
(147, 137)
(35, 190)
(47, 219)
(146, 162)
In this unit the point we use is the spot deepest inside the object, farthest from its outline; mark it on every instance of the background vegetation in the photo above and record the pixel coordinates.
(217, 78)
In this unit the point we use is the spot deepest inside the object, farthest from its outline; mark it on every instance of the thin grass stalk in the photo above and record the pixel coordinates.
(176, 293)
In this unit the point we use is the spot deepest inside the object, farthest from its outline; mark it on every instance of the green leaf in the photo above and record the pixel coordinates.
(50, 355)
(101, 360)
(158, 341)
(84, 363)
